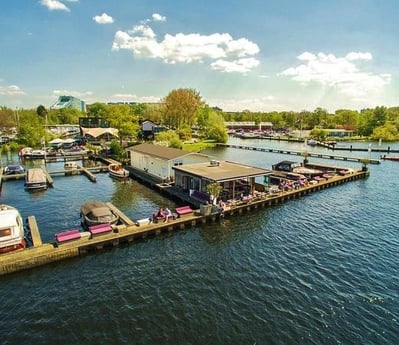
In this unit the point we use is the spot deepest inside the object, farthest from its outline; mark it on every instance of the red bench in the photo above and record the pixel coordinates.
(183, 210)
(68, 235)
(100, 229)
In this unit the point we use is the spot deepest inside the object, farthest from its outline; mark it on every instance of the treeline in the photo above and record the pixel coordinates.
(377, 123)
(183, 109)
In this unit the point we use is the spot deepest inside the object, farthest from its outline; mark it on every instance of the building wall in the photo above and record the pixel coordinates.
(162, 168)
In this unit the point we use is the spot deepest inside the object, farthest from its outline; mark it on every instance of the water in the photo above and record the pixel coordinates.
(322, 269)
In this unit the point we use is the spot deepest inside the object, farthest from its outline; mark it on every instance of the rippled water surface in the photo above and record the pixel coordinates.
(323, 269)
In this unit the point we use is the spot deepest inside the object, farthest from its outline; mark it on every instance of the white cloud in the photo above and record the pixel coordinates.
(265, 103)
(339, 73)
(54, 5)
(103, 19)
(221, 51)
(11, 90)
(72, 93)
(127, 97)
(156, 17)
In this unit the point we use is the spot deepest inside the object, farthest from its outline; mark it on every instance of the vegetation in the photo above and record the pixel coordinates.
(214, 189)
(183, 109)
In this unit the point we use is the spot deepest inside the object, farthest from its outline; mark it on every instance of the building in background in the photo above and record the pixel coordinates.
(69, 102)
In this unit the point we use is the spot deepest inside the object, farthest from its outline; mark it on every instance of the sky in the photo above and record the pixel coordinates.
(256, 55)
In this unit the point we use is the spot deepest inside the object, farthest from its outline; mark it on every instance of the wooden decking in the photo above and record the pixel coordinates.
(129, 231)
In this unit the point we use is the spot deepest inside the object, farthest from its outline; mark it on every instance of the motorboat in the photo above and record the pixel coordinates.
(116, 170)
(297, 168)
(35, 179)
(12, 234)
(94, 212)
(71, 168)
(29, 153)
(14, 169)
(390, 158)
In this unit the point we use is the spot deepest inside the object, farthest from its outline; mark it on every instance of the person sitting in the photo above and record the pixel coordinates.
(168, 214)
(221, 208)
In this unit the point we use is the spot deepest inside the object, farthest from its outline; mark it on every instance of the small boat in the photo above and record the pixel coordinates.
(71, 168)
(35, 179)
(29, 153)
(12, 234)
(94, 212)
(117, 171)
(14, 169)
(393, 158)
(311, 142)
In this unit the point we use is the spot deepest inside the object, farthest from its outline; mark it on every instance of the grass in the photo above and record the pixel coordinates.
(199, 146)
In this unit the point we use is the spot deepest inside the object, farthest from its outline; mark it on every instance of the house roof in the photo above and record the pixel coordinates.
(222, 171)
(159, 151)
(96, 132)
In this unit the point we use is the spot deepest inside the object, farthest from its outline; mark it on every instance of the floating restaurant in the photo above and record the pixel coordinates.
(186, 178)
(243, 188)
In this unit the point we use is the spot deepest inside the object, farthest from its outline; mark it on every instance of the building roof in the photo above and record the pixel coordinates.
(159, 151)
(221, 171)
(96, 132)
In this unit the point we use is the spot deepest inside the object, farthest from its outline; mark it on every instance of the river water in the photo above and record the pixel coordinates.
(322, 269)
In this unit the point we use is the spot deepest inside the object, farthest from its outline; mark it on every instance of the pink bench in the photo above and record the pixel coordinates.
(183, 210)
(100, 229)
(69, 235)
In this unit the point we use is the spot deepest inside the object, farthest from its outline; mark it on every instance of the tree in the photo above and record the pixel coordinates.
(171, 138)
(122, 118)
(180, 107)
(41, 111)
(214, 189)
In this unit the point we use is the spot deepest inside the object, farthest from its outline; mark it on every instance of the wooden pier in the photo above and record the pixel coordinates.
(129, 231)
(300, 153)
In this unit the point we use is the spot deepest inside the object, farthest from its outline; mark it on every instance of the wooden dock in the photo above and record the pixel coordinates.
(129, 231)
(300, 153)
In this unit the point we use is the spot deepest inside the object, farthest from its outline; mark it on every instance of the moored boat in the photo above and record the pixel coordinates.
(71, 168)
(35, 179)
(390, 158)
(13, 169)
(12, 234)
(117, 171)
(94, 212)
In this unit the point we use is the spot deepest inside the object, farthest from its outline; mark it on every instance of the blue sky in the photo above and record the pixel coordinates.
(260, 55)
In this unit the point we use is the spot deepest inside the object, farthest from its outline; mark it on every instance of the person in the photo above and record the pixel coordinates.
(221, 208)
(168, 214)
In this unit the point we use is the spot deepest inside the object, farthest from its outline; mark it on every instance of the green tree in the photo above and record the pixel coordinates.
(180, 107)
(171, 138)
(124, 120)
(388, 132)
(41, 110)
(30, 131)
(7, 118)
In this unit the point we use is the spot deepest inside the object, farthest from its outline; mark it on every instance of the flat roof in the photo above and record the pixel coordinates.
(223, 171)
(163, 152)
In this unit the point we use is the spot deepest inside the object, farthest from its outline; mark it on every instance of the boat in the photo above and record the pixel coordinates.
(311, 142)
(297, 168)
(71, 168)
(116, 170)
(12, 234)
(29, 153)
(393, 158)
(35, 179)
(94, 212)
(14, 169)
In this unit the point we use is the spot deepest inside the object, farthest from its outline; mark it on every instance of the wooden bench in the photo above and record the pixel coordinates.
(183, 210)
(68, 235)
(100, 229)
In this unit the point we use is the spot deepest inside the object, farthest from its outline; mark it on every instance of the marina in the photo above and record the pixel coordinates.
(77, 243)
(320, 246)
